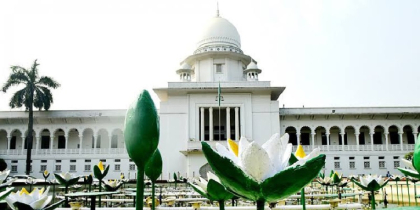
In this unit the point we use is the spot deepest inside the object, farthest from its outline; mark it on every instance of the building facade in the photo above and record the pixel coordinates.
(218, 96)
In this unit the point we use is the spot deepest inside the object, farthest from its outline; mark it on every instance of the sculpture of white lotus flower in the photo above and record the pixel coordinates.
(37, 199)
(3, 175)
(371, 183)
(263, 173)
(112, 184)
(413, 165)
(211, 188)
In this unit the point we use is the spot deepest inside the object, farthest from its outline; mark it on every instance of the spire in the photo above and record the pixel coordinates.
(217, 14)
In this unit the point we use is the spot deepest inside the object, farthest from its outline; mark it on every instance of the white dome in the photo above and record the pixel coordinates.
(219, 32)
(252, 65)
(185, 66)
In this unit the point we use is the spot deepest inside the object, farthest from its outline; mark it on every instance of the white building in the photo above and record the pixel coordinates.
(356, 140)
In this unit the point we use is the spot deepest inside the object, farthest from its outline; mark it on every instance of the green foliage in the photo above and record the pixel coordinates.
(153, 167)
(64, 182)
(409, 156)
(3, 164)
(98, 173)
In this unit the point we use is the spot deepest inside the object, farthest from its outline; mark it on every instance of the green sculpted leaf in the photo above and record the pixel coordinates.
(231, 176)
(141, 129)
(60, 179)
(154, 166)
(292, 179)
(409, 172)
(73, 181)
(22, 206)
(360, 185)
(175, 177)
(198, 189)
(54, 206)
(97, 172)
(292, 159)
(373, 186)
(217, 191)
(416, 155)
(5, 193)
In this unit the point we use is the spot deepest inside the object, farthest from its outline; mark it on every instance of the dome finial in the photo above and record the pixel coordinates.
(217, 14)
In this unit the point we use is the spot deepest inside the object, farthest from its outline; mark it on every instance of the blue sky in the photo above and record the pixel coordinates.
(326, 53)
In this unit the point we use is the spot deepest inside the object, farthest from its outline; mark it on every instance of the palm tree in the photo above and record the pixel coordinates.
(35, 93)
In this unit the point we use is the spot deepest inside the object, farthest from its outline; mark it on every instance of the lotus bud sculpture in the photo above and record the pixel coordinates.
(36, 200)
(67, 179)
(413, 165)
(371, 183)
(264, 173)
(100, 172)
(141, 135)
(212, 189)
(153, 170)
(46, 174)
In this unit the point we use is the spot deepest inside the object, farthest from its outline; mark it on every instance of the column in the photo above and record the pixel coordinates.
(386, 140)
(342, 141)
(415, 137)
(9, 139)
(327, 134)
(401, 141)
(110, 142)
(313, 140)
(371, 140)
(95, 143)
(67, 143)
(227, 123)
(211, 123)
(298, 138)
(357, 140)
(80, 143)
(23, 143)
(202, 124)
(37, 144)
(51, 143)
(236, 123)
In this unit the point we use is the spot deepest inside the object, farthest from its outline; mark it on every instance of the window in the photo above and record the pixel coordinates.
(117, 160)
(336, 158)
(72, 167)
(324, 138)
(61, 142)
(87, 167)
(219, 68)
(366, 158)
(43, 168)
(304, 138)
(132, 167)
(396, 164)
(220, 130)
(57, 167)
(72, 161)
(351, 158)
(114, 141)
(336, 165)
(14, 169)
(14, 161)
(43, 161)
(117, 167)
(13, 142)
(396, 157)
(381, 164)
(367, 164)
(381, 157)
(362, 138)
(352, 165)
(45, 142)
(87, 161)
(58, 161)
(98, 142)
(103, 161)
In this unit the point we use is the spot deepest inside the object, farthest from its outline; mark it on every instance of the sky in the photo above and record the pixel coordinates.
(332, 53)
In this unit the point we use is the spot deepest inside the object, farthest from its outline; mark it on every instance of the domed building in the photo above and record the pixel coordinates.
(356, 140)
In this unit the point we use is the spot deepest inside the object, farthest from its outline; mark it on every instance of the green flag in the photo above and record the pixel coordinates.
(219, 91)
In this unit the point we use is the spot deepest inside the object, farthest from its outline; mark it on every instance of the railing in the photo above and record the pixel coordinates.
(65, 151)
(376, 147)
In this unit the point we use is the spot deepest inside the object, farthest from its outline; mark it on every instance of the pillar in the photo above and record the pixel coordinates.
(227, 123)
(9, 139)
(95, 143)
(342, 141)
(37, 144)
(67, 143)
(298, 138)
(401, 141)
(327, 134)
(202, 124)
(80, 143)
(415, 137)
(51, 143)
(386, 140)
(236, 123)
(357, 140)
(371, 141)
(313, 140)
(211, 123)
(110, 142)
(23, 143)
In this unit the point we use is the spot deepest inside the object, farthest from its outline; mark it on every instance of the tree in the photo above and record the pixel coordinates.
(35, 93)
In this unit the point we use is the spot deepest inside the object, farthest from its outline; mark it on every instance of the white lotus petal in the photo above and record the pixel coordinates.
(3, 175)
(39, 204)
(285, 139)
(243, 144)
(284, 158)
(10, 202)
(199, 188)
(255, 162)
(408, 164)
(210, 175)
(273, 148)
(202, 183)
(226, 153)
